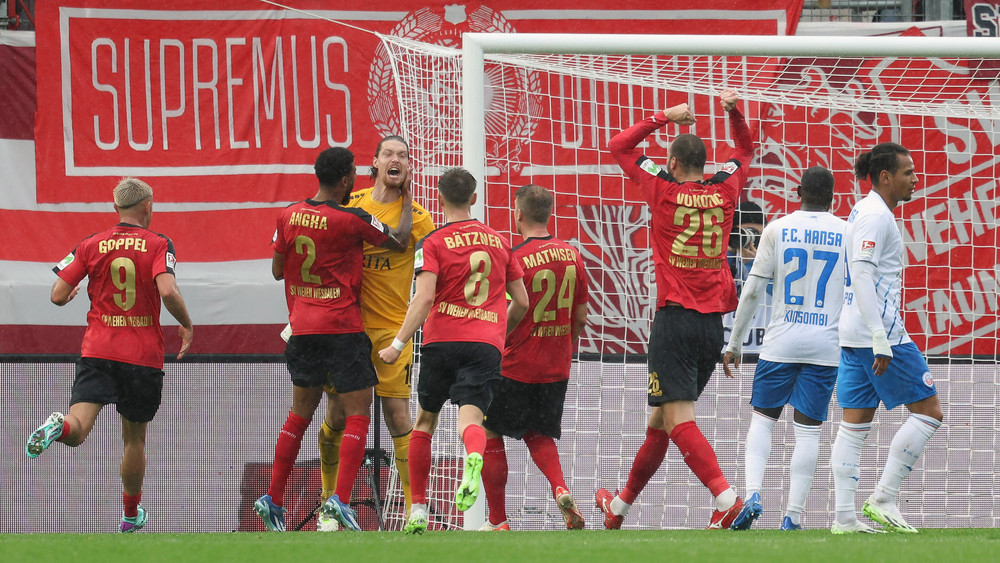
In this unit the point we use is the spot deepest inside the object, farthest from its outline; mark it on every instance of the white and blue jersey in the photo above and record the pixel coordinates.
(803, 253)
(872, 236)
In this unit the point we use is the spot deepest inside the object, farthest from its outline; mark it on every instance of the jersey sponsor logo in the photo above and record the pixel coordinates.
(650, 167)
(418, 258)
(373, 262)
(453, 310)
(171, 260)
(730, 167)
(116, 321)
(867, 248)
(66, 261)
(555, 330)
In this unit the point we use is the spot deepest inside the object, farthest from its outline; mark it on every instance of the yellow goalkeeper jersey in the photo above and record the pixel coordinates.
(388, 275)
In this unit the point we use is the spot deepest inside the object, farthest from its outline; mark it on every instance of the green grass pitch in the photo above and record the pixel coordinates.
(681, 546)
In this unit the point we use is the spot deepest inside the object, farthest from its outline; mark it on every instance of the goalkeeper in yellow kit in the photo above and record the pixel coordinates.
(385, 296)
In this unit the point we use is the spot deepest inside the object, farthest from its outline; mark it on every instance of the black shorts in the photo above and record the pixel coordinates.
(684, 346)
(135, 390)
(520, 407)
(465, 372)
(341, 361)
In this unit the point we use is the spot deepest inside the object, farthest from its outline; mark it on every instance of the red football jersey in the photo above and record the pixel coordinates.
(540, 348)
(122, 263)
(323, 245)
(473, 266)
(691, 221)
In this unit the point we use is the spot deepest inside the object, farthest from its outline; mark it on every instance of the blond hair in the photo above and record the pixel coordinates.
(131, 191)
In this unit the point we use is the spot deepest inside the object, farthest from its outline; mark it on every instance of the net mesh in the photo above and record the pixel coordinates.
(548, 121)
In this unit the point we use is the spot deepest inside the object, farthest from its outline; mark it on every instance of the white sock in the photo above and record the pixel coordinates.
(757, 450)
(905, 449)
(619, 507)
(803, 468)
(726, 499)
(845, 460)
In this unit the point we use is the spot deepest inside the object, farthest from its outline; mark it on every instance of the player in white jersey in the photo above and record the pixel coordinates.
(803, 255)
(879, 362)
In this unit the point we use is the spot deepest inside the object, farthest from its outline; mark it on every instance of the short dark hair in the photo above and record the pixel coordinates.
(748, 212)
(457, 186)
(816, 186)
(689, 150)
(333, 164)
(373, 172)
(535, 202)
(882, 157)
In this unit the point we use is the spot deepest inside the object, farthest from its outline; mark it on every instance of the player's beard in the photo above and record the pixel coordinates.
(347, 198)
(395, 183)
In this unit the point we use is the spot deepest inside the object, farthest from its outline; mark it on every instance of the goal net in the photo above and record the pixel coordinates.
(517, 109)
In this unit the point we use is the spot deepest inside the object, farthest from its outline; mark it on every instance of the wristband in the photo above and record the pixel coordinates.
(880, 344)
(398, 344)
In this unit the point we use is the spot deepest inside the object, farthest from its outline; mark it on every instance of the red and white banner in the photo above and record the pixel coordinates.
(223, 111)
(982, 18)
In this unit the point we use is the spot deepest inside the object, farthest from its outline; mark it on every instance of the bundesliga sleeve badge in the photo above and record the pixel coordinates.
(650, 167)
(66, 261)
(867, 249)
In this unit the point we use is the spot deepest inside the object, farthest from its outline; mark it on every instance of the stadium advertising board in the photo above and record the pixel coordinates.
(223, 110)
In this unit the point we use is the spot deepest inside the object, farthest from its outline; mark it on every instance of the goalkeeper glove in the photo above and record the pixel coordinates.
(880, 344)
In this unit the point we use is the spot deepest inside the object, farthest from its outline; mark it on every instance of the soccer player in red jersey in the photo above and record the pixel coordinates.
(318, 248)
(462, 270)
(529, 399)
(385, 295)
(691, 221)
(130, 269)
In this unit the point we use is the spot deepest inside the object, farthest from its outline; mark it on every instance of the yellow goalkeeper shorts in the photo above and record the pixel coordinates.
(393, 380)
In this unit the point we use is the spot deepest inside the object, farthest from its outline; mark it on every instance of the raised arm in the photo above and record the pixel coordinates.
(623, 146)
(738, 127)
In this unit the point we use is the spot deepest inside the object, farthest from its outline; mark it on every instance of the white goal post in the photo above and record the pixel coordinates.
(540, 108)
(475, 46)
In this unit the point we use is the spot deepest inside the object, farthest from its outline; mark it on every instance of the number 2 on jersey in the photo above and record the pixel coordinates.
(564, 300)
(305, 245)
(801, 255)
